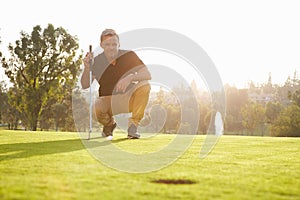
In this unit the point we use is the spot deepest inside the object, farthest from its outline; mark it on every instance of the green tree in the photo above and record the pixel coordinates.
(173, 118)
(273, 109)
(80, 111)
(287, 123)
(41, 63)
(158, 117)
(209, 121)
(235, 99)
(295, 97)
(283, 92)
(253, 115)
(0, 43)
(12, 115)
(160, 96)
(268, 87)
(205, 115)
(60, 114)
(68, 122)
(3, 102)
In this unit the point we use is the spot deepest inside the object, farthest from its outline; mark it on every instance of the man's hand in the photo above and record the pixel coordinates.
(123, 83)
(85, 80)
(86, 60)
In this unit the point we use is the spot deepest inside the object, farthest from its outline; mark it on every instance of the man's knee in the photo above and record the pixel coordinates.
(143, 90)
(102, 112)
(102, 104)
(97, 106)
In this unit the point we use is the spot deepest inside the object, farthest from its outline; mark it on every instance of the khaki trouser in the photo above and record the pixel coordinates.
(135, 101)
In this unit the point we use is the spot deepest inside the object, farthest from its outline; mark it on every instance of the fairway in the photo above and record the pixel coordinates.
(56, 165)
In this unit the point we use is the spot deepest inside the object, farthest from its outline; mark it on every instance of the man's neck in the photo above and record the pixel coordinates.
(113, 62)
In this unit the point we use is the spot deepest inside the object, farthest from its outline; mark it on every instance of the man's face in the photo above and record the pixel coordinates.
(110, 45)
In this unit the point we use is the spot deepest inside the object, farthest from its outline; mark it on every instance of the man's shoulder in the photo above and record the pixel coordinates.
(99, 56)
(127, 53)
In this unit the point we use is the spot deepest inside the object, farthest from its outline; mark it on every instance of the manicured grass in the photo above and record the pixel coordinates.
(50, 165)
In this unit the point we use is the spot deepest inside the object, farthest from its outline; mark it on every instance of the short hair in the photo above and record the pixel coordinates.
(110, 32)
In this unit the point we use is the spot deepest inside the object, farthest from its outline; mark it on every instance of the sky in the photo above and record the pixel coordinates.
(246, 40)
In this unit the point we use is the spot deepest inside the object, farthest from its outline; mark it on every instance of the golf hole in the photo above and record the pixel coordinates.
(174, 181)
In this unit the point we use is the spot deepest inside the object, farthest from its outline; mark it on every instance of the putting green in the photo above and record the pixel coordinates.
(56, 165)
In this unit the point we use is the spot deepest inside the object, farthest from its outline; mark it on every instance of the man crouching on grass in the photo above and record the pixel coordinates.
(124, 86)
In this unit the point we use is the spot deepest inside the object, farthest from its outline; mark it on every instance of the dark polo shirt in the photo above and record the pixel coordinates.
(108, 75)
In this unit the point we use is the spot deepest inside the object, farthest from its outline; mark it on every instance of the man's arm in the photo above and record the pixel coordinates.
(141, 75)
(85, 78)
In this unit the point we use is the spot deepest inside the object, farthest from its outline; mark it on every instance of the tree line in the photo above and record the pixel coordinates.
(265, 109)
(260, 109)
(44, 66)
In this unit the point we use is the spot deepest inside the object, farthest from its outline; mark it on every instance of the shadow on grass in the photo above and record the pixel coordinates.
(112, 141)
(174, 181)
(25, 150)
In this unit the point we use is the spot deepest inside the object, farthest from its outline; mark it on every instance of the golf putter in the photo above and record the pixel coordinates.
(91, 106)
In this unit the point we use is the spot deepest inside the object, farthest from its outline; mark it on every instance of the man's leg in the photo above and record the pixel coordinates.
(104, 115)
(134, 101)
(137, 106)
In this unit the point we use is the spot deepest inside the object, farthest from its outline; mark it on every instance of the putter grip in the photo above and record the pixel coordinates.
(91, 61)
